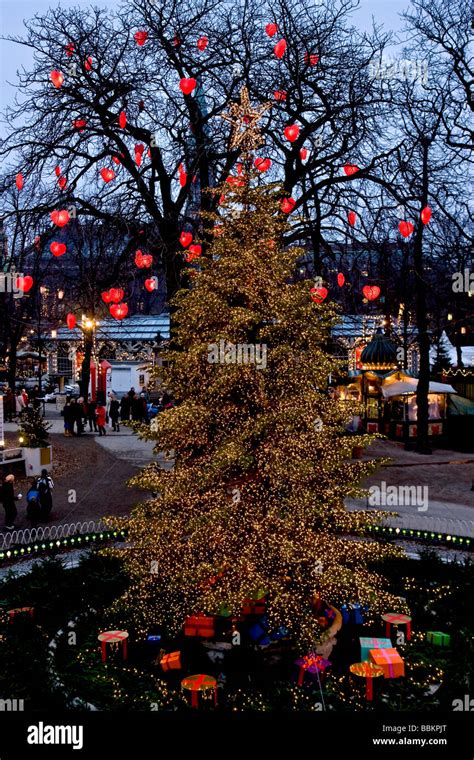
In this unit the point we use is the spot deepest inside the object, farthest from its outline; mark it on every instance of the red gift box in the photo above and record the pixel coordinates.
(171, 661)
(199, 625)
(253, 606)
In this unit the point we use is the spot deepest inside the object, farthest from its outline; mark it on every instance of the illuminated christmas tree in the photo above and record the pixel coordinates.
(262, 463)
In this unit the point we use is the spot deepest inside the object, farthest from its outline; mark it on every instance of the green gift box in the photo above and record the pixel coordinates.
(438, 638)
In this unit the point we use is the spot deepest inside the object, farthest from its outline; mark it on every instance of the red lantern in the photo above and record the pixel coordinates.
(106, 297)
(280, 48)
(287, 205)
(57, 249)
(69, 49)
(79, 124)
(371, 292)
(271, 29)
(279, 94)
(319, 294)
(185, 239)
(119, 311)
(262, 164)
(426, 215)
(107, 174)
(138, 159)
(57, 78)
(71, 321)
(340, 279)
(351, 218)
(88, 63)
(19, 181)
(304, 154)
(150, 284)
(311, 59)
(57, 171)
(116, 160)
(24, 283)
(122, 119)
(195, 250)
(183, 178)
(116, 294)
(187, 85)
(140, 38)
(350, 169)
(406, 229)
(62, 182)
(60, 218)
(202, 43)
(291, 133)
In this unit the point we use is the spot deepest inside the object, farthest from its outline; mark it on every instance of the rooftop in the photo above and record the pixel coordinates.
(137, 328)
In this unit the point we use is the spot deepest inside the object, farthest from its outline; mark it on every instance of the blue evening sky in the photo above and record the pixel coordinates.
(12, 13)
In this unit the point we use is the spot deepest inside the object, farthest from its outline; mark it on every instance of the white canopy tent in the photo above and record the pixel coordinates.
(410, 385)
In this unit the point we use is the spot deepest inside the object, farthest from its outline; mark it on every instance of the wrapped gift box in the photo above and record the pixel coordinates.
(438, 638)
(311, 664)
(253, 606)
(353, 613)
(259, 633)
(171, 661)
(366, 644)
(199, 625)
(389, 659)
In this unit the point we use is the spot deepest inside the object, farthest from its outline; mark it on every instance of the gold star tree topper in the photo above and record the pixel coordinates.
(244, 119)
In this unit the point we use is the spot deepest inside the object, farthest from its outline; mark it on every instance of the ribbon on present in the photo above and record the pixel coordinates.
(311, 663)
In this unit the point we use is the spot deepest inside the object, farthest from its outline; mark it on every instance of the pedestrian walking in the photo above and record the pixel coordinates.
(125, 408)
(8, 501)
(19, 404)
(33, 509)
(79, 415)
(45, 487)
(24, 394)
(9, 405)
(91, 416)
(114, 411)
(68, 414)
(101, 415)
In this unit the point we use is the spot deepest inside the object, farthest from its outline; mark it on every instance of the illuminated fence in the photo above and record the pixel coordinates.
(30, 541)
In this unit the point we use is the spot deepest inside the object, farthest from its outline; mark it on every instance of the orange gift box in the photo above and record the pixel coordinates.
(389, 659)
(171, 661)
(199, 625)
(253, 606)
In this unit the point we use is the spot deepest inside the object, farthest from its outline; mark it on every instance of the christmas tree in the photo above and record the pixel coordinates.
(254, 501)
(33, 430)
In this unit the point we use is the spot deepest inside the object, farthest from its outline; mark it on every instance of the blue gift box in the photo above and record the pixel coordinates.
(353, 613)
(259, 633)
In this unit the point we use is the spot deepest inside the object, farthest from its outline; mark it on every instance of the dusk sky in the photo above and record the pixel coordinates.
(12, 13)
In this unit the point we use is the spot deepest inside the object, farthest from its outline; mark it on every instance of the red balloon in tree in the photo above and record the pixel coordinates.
(405, 229)
(57, 171)
(187, 85)
(426, 215)
(88, 63)
(143, 260)
(57, 78)
(140, 38)
(116, 294)
(351, 218)
(292, 132)
(262, 164)
(185, 239)
(71, 321)
(79, 124)
(57, 249)
(287, 205)
(304, 154)
(106, 297)
(279, 94)
(340, 279)
(19, 181)
(24, 283)
(318, 294)
(119, 311)
(150, 284)
(62, 182)
(107, 174)
(195, 250)
(371, 292)
(350, 169)
(60, 218)
(70, 49)
(122, 119)
(202, 43)
(280, 49)
(271, 29)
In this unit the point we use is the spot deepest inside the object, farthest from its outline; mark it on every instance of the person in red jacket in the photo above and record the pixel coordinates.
(100, 415)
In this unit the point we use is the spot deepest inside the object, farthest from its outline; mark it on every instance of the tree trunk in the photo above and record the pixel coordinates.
(12, 362)
(422, 439)
(86, 365)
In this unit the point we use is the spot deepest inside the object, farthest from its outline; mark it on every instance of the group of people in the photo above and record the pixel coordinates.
(39, 499)
(97, 414)
(14, 404)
